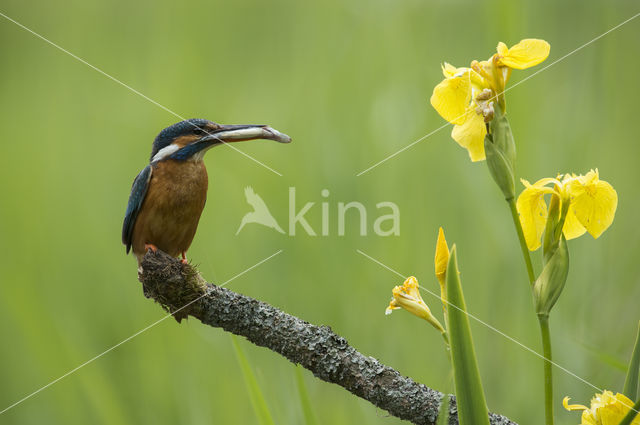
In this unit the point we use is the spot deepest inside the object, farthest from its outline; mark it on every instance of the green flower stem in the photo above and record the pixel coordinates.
(445, 336)
(523, 242)
(542, 319)
(548, 368)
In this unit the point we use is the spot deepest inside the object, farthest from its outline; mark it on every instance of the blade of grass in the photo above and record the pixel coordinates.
(633, 373)
(255, 394)
(603, 357)
(305, 402)
(443, 413)
(472, 406)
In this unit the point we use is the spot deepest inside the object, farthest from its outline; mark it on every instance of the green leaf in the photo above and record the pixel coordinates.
(631, 415)
(307, 410)
(443, 412)
(255, 394)
(472, 406)
(631, 387)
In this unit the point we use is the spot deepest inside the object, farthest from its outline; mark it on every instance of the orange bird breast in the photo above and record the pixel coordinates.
(172, 207)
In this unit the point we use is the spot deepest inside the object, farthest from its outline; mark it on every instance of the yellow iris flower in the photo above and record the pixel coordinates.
(606, 409)
(455, 100)
(408, 297)
(591, 208)
(465, 96)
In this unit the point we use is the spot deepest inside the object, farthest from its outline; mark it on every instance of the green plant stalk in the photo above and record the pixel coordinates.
(445, 337)
(305, 401)
(443, 413)
(548, 368)
(523, 242)
(255, 393)
(542, 320)
(633, 372)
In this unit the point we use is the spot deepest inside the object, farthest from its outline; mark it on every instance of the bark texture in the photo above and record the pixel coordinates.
(182, 291)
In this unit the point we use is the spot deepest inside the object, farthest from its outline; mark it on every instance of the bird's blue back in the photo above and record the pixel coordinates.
(138, 192)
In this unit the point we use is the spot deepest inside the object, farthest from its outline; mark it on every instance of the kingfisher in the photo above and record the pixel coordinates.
(168, 195)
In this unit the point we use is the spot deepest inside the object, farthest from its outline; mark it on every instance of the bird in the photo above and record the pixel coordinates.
(168, 196)
(260, 213)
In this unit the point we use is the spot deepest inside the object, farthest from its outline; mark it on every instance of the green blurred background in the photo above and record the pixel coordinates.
(350, 82)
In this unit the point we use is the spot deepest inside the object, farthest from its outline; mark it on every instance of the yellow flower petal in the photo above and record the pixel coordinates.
(594, 202)
(588, 419)
(451, 98)
(606, 409)
(527, 53)
(565, 403)
(502, 49)
(610, 416)
(392, 306)
(533, 211)
(484, 71)
(441, 260)
(449, 70)
(572, 227)
(619, 405)
(470, 135)
(476, 79)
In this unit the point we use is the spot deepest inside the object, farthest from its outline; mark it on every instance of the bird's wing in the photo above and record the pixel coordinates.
(254, 199)
(138, 192)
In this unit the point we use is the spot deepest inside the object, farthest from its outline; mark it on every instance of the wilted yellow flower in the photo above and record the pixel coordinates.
(408, 297)
(606, 409)
(591, 208)
(465, 97)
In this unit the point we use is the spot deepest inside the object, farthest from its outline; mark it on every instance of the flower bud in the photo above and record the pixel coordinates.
(550, 283)
(500, 150)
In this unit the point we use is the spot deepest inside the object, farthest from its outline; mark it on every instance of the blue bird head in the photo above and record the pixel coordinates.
(190, 139)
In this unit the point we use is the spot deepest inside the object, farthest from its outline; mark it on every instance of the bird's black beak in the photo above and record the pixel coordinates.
(239, 133)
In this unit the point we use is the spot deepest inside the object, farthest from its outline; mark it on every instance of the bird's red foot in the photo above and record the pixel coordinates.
(151, 247)
(184, 258)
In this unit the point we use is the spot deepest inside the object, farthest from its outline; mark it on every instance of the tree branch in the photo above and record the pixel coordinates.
(180, 289)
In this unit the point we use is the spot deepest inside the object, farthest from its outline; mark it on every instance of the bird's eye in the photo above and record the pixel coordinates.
(198, 131)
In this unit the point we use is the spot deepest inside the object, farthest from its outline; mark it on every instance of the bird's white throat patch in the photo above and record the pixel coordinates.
(165, 152)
